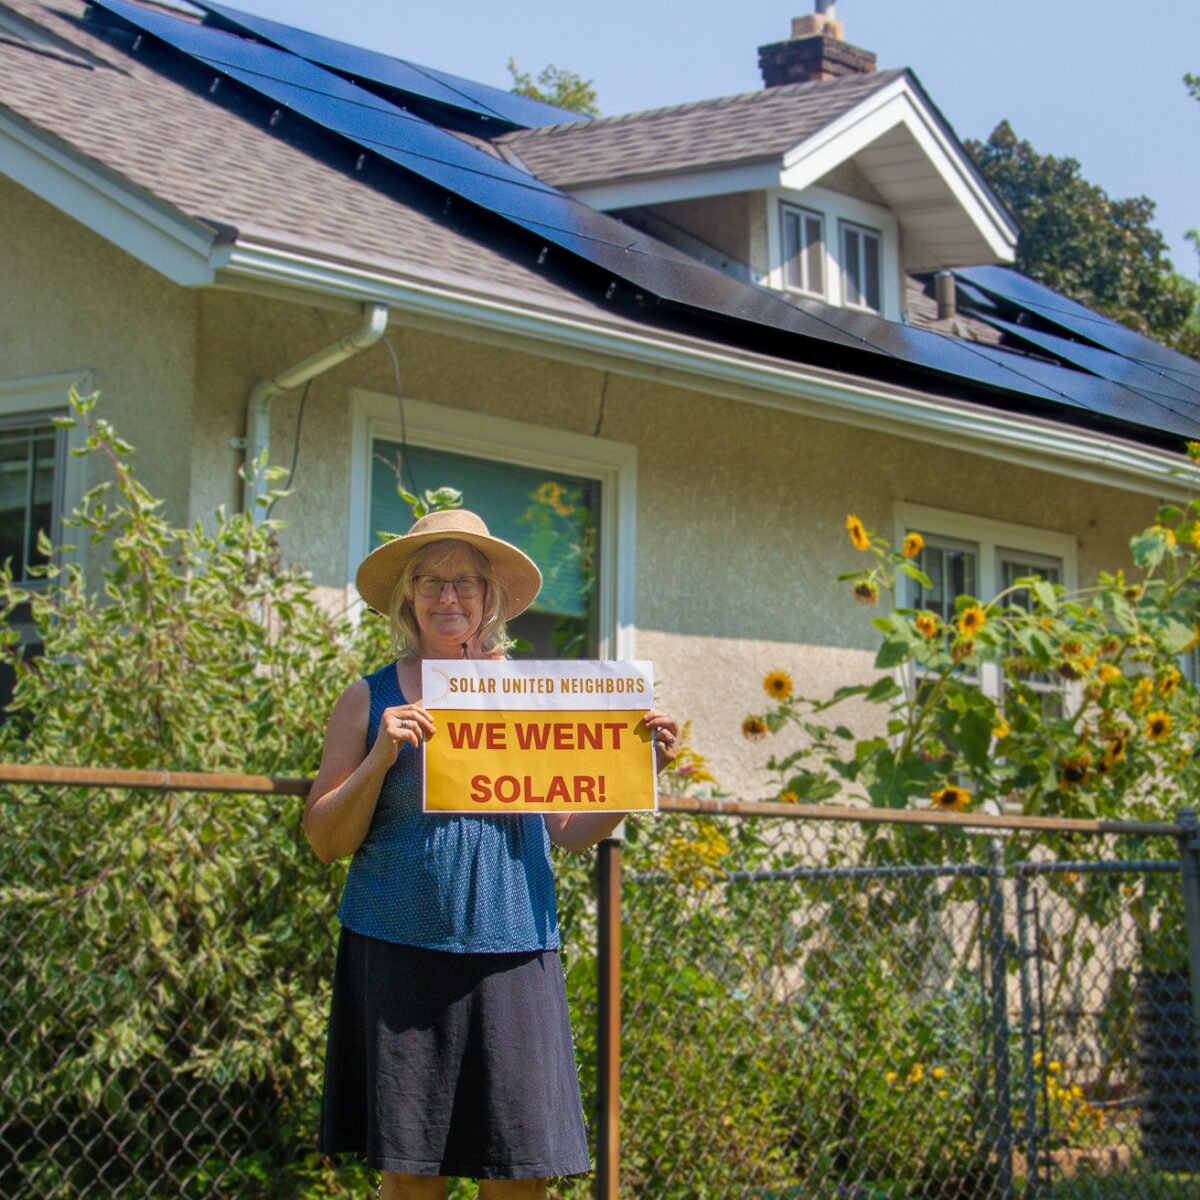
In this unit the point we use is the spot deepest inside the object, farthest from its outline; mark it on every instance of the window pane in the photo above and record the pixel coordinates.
(27, 458)
(850, 261)
(794, 267)
(814, 255)
(952, 570)
(550, 515)
(871, 262)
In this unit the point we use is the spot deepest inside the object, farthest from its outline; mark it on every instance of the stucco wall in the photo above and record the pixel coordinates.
(70, 301)
(740, 509)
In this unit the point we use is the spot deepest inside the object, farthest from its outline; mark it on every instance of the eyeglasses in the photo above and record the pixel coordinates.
(466, 587)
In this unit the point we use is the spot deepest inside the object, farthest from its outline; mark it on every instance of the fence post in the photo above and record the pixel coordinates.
(608, 1017)
(1001, 1065)
(1189, 863)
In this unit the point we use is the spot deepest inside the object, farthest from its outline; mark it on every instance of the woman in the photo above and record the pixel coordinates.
(449, 1043)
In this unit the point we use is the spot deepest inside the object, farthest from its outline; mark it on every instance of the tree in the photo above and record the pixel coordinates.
(1075, 238)
(556, 85)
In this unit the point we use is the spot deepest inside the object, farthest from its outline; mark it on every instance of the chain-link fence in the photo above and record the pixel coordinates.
(862, 1012)
(810, 1009)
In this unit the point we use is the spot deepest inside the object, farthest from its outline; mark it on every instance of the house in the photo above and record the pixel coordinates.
(686, 341)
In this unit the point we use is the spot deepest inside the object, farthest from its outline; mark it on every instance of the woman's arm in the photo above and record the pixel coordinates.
(342, 799)
(578, 831)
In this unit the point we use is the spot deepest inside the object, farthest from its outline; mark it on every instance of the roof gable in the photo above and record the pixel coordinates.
(789, 137)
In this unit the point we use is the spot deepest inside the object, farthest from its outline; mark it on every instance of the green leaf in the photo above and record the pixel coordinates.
(915, 572)
(893, 653)
(1176, 635)
(1148, 550)
(883, 688)
(1168, 514)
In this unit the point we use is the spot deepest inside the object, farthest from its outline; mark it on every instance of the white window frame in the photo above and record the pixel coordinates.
(834, 208)
(862, 232)
(991, 537)
(40, 398)
(786, 209)
(436, 427)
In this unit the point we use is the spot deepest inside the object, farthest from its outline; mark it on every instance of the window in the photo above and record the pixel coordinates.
(40, 482)
(861, 266)
(567, 500)
(804, 250)
(981, 557)
(31, 449)
(552, 515)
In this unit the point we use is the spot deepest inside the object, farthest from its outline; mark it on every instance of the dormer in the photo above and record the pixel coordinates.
(834, 183)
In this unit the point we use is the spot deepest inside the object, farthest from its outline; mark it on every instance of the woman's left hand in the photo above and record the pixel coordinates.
(665, 730)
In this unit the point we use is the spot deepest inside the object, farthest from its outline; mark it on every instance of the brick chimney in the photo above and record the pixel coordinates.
(816, 50)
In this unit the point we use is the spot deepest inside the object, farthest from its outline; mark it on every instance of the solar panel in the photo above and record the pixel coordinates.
(356, 62)
(1104, 332)
(1125, 371)
(836, 337)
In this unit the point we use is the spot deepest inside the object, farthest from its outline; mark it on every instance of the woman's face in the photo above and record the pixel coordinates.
(447, 619)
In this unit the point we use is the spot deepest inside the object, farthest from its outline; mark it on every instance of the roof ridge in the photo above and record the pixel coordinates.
(760, 95)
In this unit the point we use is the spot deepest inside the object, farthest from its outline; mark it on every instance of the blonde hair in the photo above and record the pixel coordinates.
(431, 559)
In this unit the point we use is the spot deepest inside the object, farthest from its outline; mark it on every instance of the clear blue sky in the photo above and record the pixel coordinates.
(1100, 80)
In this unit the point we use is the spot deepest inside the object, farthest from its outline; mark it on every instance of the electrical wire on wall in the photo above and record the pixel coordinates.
(404, 463)
(291, 474)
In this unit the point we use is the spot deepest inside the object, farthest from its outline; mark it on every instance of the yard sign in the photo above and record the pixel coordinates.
(534, 736)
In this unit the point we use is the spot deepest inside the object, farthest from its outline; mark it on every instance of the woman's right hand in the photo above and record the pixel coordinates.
(401, 725)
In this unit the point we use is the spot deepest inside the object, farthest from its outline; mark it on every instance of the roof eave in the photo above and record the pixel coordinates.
(715, 369)
(143, 225)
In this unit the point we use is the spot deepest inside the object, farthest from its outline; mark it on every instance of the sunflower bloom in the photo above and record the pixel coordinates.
(858, 535)
(914, 543)
(1159, 725)
(1142, 693)
(1168, 682)
(927, 625)
(1114, 748)
(971, 621)
(789, 797)
(778, 685)
(1109, 674)
(1075, 769)
(1001, 729)
(754, 728)
(951, 798)
(962, 650)
(866, 591)
(1167, 535)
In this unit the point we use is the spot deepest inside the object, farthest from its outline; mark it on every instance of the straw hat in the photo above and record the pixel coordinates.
(515, 572)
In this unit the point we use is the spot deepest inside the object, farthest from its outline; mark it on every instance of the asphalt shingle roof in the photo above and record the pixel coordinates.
(221, 169)
(705, 134)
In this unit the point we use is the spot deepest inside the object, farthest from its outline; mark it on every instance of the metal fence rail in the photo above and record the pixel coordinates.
(768, 1002)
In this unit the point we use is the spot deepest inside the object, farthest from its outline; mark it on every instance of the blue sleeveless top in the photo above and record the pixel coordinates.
(466, 884)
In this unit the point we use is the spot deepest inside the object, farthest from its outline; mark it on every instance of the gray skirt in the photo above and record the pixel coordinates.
(451, 1064)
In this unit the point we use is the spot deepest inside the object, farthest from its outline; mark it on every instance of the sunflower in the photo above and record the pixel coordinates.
(754, 728)
(951, 798)
(1001, 729)
(858, 535)
(1109, 673)
(1142, 693)
(778, 685)
(1075, 769)
(1168, 681)
(1114, 748)
(1193, 451)
(914, 543)
(1194, 534)
(866, 591)
(1168, 535)
(927, 625)
(789, 797)
(971, 621)
(1159, 725)
(962, 650)
(1110, 646)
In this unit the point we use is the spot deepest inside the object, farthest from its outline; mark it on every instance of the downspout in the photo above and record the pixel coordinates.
(258, 408)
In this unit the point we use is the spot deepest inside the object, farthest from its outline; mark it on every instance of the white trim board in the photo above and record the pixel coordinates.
(613, 464)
